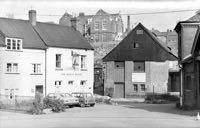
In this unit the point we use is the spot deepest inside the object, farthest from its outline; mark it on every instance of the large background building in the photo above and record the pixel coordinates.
(101, 27)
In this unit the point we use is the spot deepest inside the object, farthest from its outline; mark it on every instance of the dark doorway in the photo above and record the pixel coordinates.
(39, 89)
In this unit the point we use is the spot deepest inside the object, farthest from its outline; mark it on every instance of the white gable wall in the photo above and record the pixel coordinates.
(25, 81)
(67, 73)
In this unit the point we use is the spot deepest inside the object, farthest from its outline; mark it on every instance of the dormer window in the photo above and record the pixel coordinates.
(14, 44)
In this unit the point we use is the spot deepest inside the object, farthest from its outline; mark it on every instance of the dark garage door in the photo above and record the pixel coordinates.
(119, 90)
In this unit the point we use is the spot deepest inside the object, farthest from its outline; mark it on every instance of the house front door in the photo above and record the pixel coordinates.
(39, 89)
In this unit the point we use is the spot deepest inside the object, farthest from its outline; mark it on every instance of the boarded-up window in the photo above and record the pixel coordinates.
(119, 64)
(139, 66)
(138, 32)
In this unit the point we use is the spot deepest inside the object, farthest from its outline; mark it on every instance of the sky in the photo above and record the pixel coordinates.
(52, 10)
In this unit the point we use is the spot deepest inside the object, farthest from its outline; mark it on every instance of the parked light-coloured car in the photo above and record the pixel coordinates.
(68, 99)
(85, 98)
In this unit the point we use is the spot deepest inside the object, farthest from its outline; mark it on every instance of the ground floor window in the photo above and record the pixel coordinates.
(135, 87)
(11, 93)
(83, 82)
(143, 87)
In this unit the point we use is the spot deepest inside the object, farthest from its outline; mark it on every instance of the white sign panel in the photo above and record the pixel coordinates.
(138, 77)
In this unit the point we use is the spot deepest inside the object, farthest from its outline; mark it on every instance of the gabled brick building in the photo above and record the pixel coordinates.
(189, 59)
(140, 64)
(100, 27)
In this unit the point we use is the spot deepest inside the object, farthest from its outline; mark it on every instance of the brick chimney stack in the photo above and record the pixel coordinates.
(74, 23)
(128, 23)
(32, 17)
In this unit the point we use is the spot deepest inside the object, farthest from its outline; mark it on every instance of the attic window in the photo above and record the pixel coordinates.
(138, 32)
(135, 45)
(13, 44)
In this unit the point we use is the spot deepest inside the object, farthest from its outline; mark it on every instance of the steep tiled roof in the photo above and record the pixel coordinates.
(195, 17)
(61, 36)
(151, 48)
(21, 29)
(43, 34)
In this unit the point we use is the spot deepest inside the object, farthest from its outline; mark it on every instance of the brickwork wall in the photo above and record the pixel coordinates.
(157, 76)
(128, 79)
(109, 79)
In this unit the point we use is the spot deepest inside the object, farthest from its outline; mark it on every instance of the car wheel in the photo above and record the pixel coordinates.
(92, 105)
(82, 105)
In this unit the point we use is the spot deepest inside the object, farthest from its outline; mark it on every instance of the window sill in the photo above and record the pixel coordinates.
(59, 69)
(12, 73)
(83, 69)
(36, 74)
(13, 50)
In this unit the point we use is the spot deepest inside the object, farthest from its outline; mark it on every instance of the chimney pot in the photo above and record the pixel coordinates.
(32, 17)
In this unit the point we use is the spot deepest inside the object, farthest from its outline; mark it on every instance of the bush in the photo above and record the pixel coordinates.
(56, 105)
(2, 106)
(37, 105)
(160, 98)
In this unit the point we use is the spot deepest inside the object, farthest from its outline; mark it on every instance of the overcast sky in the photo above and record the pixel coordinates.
(161, 21)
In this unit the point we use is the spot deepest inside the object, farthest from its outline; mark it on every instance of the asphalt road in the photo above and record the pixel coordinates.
(104, 116)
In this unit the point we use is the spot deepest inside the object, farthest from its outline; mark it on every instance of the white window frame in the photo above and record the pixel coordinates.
(75, 61)
(58, 83)
(12, 68)
(59, 61)
(36, 68)
(71, 82)
(83, 62)
(10, 44)
(83, 82)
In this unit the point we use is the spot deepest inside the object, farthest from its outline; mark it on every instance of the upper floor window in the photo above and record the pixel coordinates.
(13, 44)
(139, 66)
(96, 38)
(36, 68)
(104, 25)
(83, 63)
(83, 82)
(58, 60)
(104, 38)
(75, 61)
(119, 64)
(135, 45)
(71, 82)
(139, 32)
(12, 68)
(96, 25)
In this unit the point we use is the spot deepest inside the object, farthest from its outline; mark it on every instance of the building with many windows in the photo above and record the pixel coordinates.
(101, 27)
(139, 64)
(43, 57)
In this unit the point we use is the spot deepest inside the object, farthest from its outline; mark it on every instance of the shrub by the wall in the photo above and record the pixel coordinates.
(37, 105)
(56, 105)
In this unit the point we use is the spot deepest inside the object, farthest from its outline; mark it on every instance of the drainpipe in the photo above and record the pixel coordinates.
(181, 86)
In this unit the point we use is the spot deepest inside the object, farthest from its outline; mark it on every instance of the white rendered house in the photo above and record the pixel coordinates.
(43, 57)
